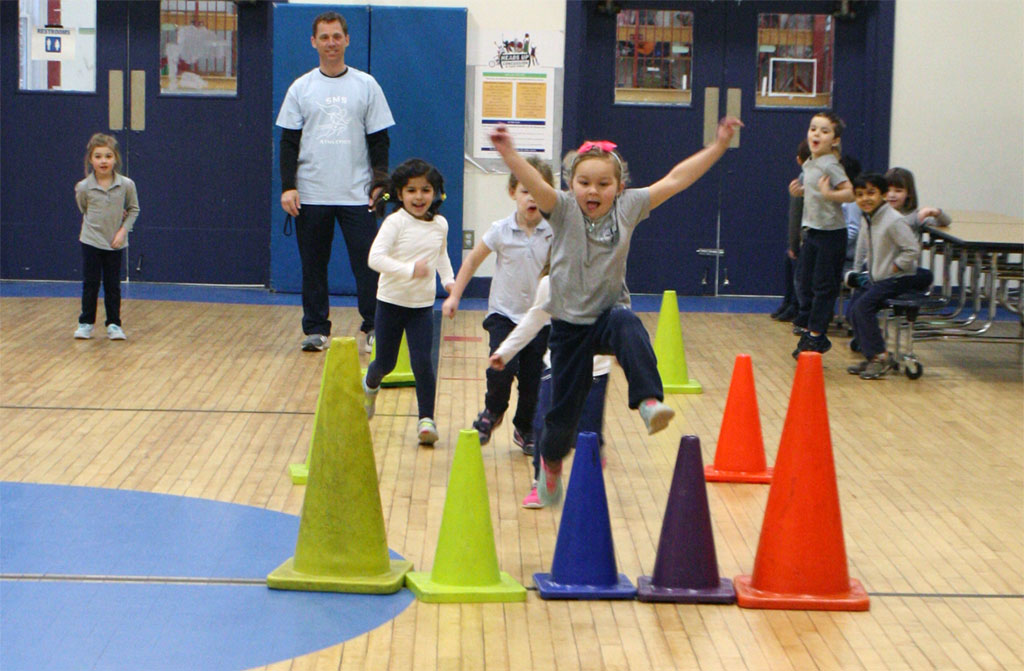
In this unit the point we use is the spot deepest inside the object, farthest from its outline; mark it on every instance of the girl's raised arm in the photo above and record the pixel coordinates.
(690, 170)
(542, 192)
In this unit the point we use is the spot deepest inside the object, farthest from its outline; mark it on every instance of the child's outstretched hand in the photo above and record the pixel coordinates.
(502, 140)
(496, 362)
(727, 128)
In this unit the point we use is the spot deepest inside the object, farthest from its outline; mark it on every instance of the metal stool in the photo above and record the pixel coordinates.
(903, 310)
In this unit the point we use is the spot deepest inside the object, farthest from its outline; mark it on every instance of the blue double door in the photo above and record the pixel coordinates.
(201, 163)
(726, 234)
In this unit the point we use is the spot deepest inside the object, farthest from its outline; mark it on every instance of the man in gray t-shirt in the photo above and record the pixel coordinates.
(334, 142)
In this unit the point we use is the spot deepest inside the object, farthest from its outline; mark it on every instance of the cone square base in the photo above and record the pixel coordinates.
(689, 387)
(549, 589)
(428, 591)
(286, 577)
(722, 593)
(299, 473)
(711, 474)
(749, 597)
(394, 379)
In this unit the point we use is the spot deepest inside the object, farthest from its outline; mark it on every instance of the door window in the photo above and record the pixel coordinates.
(653, 57)
(794, 60)
(198, 47)
(57, 46)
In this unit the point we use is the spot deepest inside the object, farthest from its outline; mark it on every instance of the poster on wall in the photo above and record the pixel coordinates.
(514, 86)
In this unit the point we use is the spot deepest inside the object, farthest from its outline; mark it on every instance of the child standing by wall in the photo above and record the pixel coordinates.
(410, 247)
(109, 205)
(592, 224)
(889, 247)
(592, 418)
(521, 242)
(790, 307)
(824, 187)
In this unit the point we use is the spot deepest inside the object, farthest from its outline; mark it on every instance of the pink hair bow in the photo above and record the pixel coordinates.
(603, 145)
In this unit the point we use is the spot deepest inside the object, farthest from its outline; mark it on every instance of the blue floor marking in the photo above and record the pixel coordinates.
(76, 623)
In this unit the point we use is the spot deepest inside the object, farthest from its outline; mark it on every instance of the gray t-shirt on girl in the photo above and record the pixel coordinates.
(819, 212)
(335, 114)
(588, 258)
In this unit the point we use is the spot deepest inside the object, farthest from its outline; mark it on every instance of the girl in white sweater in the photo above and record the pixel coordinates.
(411, 245)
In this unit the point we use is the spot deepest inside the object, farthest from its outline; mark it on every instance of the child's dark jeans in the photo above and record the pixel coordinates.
(101, 264)
(526, 365)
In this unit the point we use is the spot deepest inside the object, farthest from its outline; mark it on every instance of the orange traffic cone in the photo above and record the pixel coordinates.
(739, 456)
(801, 557)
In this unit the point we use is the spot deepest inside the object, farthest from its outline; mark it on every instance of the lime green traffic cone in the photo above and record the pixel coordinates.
(668, 347)
(299, 473)
(466, 563)
(402, 375)
(341, 545)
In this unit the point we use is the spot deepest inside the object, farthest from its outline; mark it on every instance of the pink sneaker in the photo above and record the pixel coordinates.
(532, 501)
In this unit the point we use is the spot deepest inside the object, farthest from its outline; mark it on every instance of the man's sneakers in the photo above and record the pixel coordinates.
(858, 368)
(427, 431)
(549, 489)
(83, 332)
(524, 441)
(810, 343)
(656, 415)
(485, 423)
(115, 332)
(315, 342)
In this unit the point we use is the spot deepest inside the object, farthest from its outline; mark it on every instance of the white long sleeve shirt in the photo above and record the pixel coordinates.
(402, 241)
(531, 324)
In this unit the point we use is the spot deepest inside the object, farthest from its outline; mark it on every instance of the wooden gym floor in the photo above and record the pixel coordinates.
(215, 400)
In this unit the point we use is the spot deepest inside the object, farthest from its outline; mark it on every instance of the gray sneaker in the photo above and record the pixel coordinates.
(858, 368)
(877, 368)
(83, 332)
(314, 343)
(427, 431)
(370, 399)
(368, 345)
(114, 332)
(656, 415)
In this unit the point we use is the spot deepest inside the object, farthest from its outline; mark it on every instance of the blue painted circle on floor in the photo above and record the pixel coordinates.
(123, 624)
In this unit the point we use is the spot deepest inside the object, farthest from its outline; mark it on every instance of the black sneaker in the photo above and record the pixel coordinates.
(486, 423)
(524, 441)
(809, 343)
(799, 330)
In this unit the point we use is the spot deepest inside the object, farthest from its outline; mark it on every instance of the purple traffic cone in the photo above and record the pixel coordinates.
(686, 568)
(584, 563)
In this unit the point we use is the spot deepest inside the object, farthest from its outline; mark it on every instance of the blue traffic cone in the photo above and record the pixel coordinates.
(686, 569)
(584, 564)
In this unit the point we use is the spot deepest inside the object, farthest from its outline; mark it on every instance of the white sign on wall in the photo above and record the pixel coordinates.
(53, 44)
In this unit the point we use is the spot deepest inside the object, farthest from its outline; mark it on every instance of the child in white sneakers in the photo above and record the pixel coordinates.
(592, 224)
(109, 205)
(521, 242)
(410, 247)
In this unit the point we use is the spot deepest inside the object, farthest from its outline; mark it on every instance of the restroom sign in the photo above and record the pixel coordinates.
(53, 44)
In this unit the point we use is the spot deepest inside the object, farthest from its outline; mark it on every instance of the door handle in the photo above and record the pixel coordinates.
(733, 106)
(115, 99)
(710, 114)
(138, 100)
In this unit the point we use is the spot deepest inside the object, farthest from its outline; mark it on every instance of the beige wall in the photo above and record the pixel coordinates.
(958, 102)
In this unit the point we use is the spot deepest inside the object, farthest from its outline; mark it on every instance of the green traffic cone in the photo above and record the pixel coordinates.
(402, 375)
(466, 562)
(341, 544)
(668, 348)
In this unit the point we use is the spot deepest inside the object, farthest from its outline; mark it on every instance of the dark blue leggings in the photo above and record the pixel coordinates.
(591, 420)
(418, 324)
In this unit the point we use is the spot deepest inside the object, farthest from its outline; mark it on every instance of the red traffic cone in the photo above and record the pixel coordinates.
(801, 556)
(739, 456)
